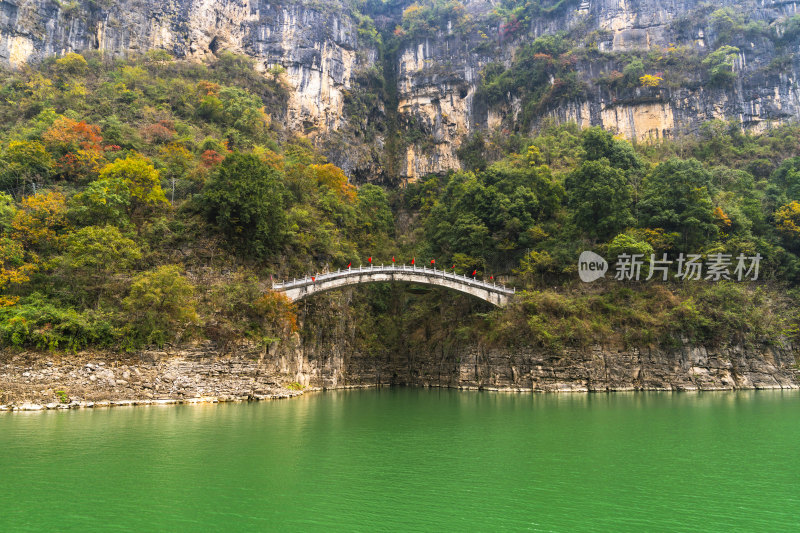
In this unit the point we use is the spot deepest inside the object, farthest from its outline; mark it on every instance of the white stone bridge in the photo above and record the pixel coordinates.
(297, 289)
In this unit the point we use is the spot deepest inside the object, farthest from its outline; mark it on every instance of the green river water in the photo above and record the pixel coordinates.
(411, 459)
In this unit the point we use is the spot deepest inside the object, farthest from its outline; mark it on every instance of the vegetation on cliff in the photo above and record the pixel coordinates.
(149, 202)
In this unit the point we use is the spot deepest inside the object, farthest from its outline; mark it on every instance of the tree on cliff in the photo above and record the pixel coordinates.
(160, 306)
(600, 199)
(676, 198)
(245, 200)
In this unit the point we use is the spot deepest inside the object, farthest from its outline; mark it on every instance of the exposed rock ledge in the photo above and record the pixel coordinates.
(32, 381)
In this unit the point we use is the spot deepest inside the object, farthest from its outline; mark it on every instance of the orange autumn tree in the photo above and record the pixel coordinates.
(79, 145)
(67, 135)
(82, 165)
(278, 313)
(211, 158)
(335, 179)
(721, 219)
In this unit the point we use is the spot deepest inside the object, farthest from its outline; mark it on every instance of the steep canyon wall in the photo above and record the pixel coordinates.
(428, 89)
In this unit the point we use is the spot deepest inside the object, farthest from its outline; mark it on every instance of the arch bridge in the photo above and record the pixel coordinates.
(297, 289)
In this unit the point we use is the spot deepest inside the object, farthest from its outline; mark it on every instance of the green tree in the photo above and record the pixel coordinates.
(159, 307)
(103, 201)
(537, 263)
(92, 255)
(628, 244)
(726, 22)
(7, 212)
(677, 199)
(719, 64)
(599, 143)
(633, 71)
(375, 220)
(787, 178)
(599, 199)
(24, 166)
(245, 199)
(472, 152)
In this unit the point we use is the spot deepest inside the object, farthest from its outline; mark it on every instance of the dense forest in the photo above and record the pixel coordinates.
(149, 202)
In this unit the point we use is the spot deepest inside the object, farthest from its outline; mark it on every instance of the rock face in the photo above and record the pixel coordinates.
(316, 43)
(428, 86)
(528, 369)
(598, 369)
(202, 374)
(151, 377)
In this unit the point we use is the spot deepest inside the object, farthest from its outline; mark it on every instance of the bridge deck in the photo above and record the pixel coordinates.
(360, 271)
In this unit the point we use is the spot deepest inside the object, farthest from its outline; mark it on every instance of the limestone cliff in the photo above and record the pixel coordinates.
(203, 374)
(401, 103)
(316, 43)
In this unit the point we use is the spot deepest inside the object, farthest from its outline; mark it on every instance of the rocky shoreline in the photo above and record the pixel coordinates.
(32, 381)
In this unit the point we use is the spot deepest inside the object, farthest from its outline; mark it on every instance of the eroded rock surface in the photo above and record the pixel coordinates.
(435, 77)
(32, 382)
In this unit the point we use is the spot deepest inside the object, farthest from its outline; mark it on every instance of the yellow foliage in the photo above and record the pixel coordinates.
(72, 63)
(15, 267)
(534, 155)
(176, 156)
(721, 218)
(39, 217)
(273, 159)
(411, 11)
(39, 87)
(140, 178)
(265, 117)
(8, 301)
(788, 219)
(649, 80)
(78, 90)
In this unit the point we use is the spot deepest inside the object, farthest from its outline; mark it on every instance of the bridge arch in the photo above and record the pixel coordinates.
(494, 293)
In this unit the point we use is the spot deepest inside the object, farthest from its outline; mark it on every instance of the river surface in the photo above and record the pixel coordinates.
(411, 459)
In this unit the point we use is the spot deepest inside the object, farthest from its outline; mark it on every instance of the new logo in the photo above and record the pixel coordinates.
(591, 267)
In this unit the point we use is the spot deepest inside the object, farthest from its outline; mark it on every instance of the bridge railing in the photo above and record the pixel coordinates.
(424, 270)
